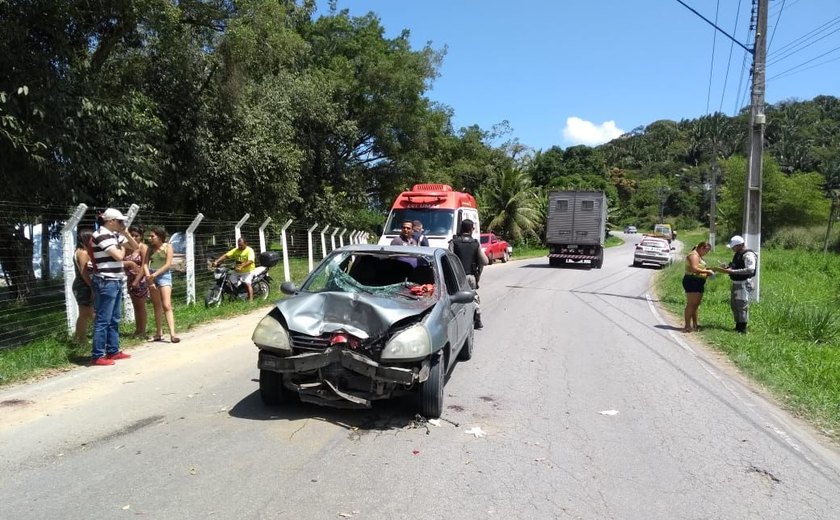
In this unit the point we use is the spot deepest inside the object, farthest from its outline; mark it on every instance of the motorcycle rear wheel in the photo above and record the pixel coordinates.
(261, 290)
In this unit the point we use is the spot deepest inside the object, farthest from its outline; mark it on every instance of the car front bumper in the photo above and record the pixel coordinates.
(322, 389)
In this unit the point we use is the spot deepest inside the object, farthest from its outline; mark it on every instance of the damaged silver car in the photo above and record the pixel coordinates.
(370, 322)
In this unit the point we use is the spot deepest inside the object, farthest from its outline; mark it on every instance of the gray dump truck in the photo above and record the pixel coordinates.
(576, 227)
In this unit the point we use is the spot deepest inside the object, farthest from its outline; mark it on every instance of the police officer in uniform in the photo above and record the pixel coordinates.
(468, 250)
(741, 271)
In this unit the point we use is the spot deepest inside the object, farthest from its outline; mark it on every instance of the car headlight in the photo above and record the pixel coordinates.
(270, 334)
(412, 343)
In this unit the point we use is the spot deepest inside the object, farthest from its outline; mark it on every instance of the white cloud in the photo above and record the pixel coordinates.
(579, 131)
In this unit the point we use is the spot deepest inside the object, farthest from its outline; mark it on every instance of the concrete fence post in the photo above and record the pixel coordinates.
(190, 258)
(128, 305)
(68, 262)
(237, 231)
(324, 241)
(309, 247)
(262, 234)
(285, 250)
(341, 237)
(332, 239)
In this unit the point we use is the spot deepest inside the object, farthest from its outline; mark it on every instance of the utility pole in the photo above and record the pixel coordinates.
(752, 193)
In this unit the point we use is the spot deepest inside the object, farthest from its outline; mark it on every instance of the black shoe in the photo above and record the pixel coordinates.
(741, 328)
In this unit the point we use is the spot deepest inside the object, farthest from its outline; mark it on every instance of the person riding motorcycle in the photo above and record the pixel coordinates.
(243, 257)
(469, 251)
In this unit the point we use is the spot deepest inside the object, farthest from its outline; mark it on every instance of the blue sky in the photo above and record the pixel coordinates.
(565, 72)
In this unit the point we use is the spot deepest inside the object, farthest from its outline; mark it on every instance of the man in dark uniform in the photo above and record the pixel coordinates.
(468, 250)
(741, 271)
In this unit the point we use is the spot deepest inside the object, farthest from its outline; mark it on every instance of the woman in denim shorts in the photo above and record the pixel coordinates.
(82, 286)
(159, 266)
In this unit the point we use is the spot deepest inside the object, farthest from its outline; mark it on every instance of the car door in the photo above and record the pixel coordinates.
(455, 280)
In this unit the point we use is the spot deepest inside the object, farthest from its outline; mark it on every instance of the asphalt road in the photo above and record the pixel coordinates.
(593, 407)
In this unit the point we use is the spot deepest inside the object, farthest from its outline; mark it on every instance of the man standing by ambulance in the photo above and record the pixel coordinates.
(468, 250)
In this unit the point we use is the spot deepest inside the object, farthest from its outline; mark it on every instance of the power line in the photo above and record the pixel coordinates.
(804, 63)
(714, 25)
(783, 75)
(729, 61)
(798, 45)
(776, 26)
(712, 65)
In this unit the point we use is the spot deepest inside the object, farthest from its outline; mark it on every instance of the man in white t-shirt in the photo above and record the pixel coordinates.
(107, 253)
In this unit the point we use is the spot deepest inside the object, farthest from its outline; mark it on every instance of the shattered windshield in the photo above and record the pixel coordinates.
(388, 275)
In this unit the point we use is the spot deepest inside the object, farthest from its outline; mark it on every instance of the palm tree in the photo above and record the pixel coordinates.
(512, 204)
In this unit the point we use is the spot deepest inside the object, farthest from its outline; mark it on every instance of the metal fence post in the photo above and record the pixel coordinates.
(285, 250)
(190, 258)
(309, 246)
(262, 235)
(68, 262)
(237, 232)
(324, 241)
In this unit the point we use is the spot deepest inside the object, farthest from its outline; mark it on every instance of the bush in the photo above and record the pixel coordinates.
(807, 238)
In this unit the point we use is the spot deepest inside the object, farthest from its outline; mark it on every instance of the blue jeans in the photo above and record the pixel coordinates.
(106, 325)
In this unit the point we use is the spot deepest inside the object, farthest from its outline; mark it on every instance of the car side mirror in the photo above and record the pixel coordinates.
(288, 288)
(463, 297)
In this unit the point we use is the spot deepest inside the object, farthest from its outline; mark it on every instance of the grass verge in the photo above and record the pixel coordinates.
(793, 344)
(58, 352)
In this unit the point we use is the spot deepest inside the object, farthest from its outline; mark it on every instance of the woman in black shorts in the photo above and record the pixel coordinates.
(81, 286)
(694, 283)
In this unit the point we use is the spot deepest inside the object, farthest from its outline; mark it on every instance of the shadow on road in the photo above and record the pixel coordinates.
(387, 414)
(579, 267)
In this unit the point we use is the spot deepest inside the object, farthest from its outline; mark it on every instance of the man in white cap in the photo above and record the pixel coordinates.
(107, 253)
(741, 270)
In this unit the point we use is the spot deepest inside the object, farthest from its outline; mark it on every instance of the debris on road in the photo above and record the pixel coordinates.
(477, 431)
(434, 422)
(609, 412)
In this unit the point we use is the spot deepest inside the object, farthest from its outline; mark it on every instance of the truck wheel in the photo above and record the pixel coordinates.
(600, 260)
(430, 394)
(554, 262)
(272, 391)
(490, 259)
(506, 257)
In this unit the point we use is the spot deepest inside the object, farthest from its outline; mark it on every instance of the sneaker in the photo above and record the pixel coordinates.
(118, 355)
(101, 361)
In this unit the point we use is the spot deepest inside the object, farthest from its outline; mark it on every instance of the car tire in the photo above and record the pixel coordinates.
(490, 259)
(272, 391)
(430, 394)
(261, 290)
(466, 352)
(505, 257)
(213, 298)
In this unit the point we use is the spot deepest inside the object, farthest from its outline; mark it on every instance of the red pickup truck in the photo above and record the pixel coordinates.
(494, 248)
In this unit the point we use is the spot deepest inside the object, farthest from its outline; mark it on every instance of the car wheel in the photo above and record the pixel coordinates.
(272, 391)
(214, 297)
(430, 395)
(490, 258)
(466, 352)
(505, 257)
(261, 290)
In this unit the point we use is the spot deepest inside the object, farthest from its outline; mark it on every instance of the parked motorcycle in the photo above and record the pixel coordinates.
(224, 286)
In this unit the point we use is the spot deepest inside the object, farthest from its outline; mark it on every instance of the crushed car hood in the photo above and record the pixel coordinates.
(362, 315)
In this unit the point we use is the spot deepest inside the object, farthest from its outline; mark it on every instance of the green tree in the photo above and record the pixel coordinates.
(510, 205)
